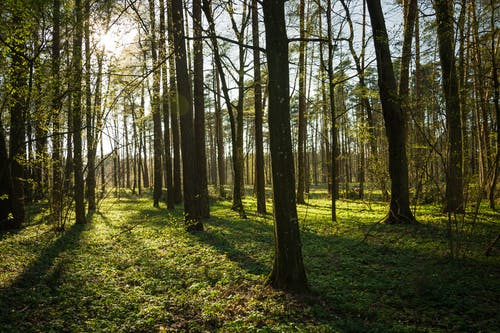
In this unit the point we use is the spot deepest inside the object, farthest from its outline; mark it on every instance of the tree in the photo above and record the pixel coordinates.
(445, 33)
(288, 268)
(185, 102)
(166, 110)
(174, 113)
(199, 110)
(301, 143)
(259, 145)
(77, 114)
(56, 198)
(155, 106)
(399, 211)
(89, 116)
(334, 167)
(236, 127)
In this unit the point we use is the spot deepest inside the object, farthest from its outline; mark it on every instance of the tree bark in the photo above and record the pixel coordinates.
(334, 166)
(166, 110)
(174, 113)
(155, 106)
(259, 141)
(56, 199)
(288, 269)
(77, 114)
(302, 126)
(399, 211)
(454, 200)
(189, 158)
(89, 117)
(199, 112)
(219, 133)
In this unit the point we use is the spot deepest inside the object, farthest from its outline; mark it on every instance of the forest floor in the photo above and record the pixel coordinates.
(133, 268)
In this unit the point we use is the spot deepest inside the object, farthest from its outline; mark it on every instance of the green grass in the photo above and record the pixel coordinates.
(133, 268)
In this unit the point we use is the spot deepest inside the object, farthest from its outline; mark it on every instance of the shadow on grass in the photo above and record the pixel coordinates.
(39, 280)
(365, 286)
(241, 241)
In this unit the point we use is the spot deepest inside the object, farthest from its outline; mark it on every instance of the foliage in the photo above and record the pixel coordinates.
(135, 269)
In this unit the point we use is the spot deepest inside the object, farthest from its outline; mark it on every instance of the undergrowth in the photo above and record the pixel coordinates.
(133, 268)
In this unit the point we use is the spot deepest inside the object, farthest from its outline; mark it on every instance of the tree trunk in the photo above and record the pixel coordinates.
(199, 112)
(174, 113)
(334, 166)
(219, 133)
(166, 110)
(189, 158)
(155, 106)
(259, 144)
(288, 269)
(56, 199)
(77, 114)
(399, 211)
(302, 126)
(89, 117)
(445, 33)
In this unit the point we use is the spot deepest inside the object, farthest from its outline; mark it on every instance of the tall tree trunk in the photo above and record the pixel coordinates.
(219, 133)
(399, 211)
(89, 117)
(288, 269)
(174, 112)
(56, 199)
(445, 33)
(334, 166)
(144, 129)
(77, 114)
(166, 109)
(259, 141)
(189, 158)
(301, 142)
(492, 190)
(238, 158)
(199, 112)
(155, 106)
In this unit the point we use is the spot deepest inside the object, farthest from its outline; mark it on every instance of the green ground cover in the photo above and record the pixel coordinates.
(135, 269)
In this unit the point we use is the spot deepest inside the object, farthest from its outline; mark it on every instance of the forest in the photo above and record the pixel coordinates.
(249, 166)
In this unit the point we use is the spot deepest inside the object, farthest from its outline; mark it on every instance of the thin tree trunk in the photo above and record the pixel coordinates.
(77, 114)
(259, 145)
(334, 131)
(89, 117)
(155, 106)
(301, 142)
(166, 109)
(219, 133)
(174, 112)
(57, 184)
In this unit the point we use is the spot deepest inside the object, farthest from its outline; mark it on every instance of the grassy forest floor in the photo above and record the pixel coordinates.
(133, 268)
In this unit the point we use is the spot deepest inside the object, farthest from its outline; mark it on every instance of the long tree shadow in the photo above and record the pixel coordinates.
(240, 241)
(366, 286)
(37, 283)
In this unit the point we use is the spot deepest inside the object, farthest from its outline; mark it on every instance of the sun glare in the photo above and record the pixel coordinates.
(113, 41)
